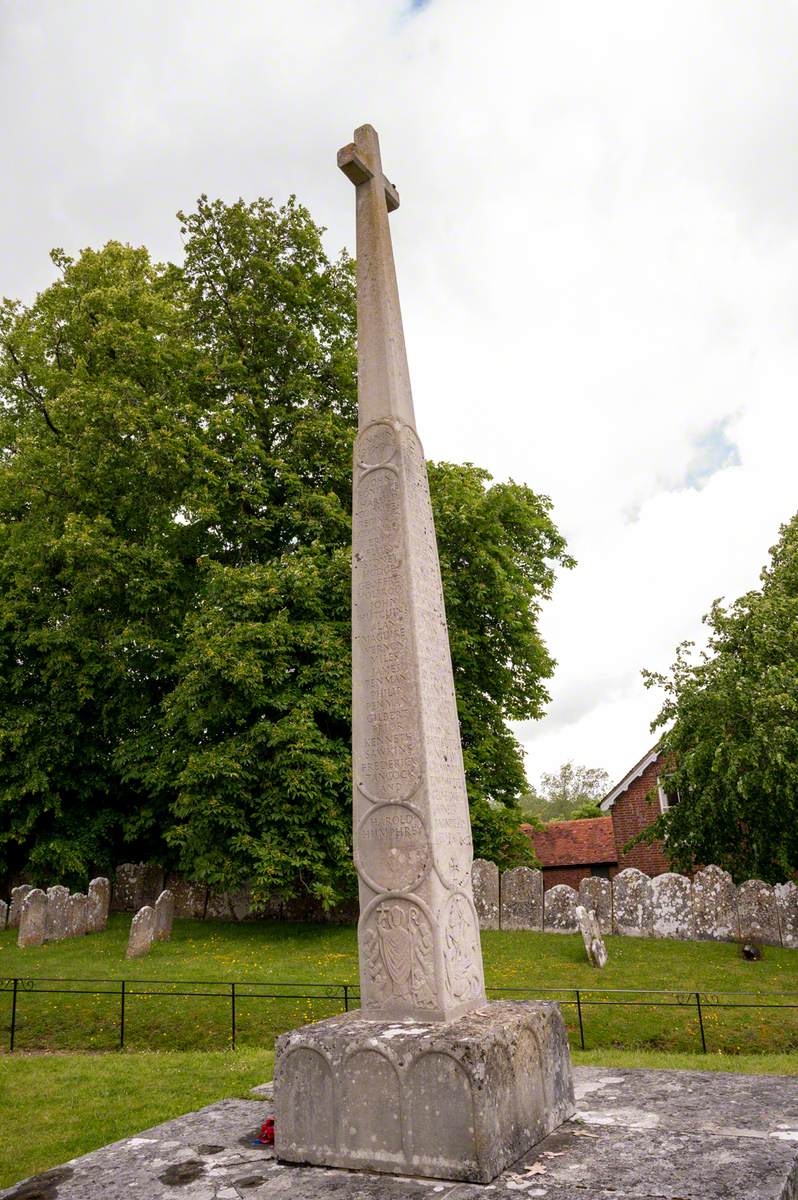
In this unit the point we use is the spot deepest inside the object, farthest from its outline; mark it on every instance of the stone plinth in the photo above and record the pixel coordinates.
(521, 899)
(454, 1100)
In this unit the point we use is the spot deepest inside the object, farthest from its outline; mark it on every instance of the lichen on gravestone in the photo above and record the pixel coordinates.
(18, 895)
(595, 894)
(77, 915)
(521, 895)
(714, 905)
(672, 899)
(485, 882)
(142, 932)
(588, 924)
(57, 913)
(632, 904)
(98, 904)
(164, 916)
(559, 909)
(33, 919)
(787, 902)
(758, 913)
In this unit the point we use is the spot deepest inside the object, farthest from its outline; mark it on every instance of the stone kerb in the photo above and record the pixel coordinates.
(77, 915)
(672, 898)
(164, 916)
(522, 899)
(142, 932)
(787, 904)
(33, 919)
(485, 882)
(632, 905)
(714, 906)
(591, 935)
(595, 894)
(57, 913)
(559, 909)
(758, 913)
(18, 895)
(98, 904)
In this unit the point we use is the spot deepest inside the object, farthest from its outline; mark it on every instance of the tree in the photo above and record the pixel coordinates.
(175, 528)
(730, 718)
(570, 795)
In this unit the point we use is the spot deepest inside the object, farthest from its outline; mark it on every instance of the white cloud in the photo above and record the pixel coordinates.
(597, 252)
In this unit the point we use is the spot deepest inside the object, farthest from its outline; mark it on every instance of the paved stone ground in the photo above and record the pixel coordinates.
(638, 1135)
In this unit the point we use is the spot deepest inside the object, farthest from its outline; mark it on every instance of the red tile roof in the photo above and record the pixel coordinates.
(574, 843)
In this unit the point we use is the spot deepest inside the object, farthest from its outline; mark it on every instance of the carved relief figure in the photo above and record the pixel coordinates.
(461, 952)
(398, 951)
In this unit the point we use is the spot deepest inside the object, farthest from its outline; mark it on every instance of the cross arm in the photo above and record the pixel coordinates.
(358, 171)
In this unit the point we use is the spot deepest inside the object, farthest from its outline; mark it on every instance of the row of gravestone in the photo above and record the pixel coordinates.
(56, 914)
(708, 907)
(152, 923)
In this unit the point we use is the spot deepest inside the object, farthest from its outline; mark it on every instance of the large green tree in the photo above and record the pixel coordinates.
(175, 524)
(730, 721)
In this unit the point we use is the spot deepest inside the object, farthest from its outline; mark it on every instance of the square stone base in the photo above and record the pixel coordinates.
(457, 1100)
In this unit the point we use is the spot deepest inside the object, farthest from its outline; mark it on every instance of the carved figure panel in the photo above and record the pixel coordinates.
(397, 944)
(462, 955)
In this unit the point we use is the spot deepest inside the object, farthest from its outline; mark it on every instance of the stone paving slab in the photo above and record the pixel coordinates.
(638, 1135)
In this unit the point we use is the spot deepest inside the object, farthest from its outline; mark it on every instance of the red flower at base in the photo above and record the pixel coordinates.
(267, 1132)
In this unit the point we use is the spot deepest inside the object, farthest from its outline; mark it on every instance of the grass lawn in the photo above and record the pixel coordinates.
(67, 1104)
(277, 952)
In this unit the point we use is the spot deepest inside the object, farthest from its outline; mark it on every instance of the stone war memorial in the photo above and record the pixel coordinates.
(427, 1078)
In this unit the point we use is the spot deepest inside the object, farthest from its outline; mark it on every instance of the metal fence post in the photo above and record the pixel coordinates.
(581, 1026)
(701, 1022)
(13, 1015)
(346, 997)
(122, 1017)
(233, 1012)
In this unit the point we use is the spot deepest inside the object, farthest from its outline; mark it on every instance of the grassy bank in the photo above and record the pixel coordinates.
(275, 952)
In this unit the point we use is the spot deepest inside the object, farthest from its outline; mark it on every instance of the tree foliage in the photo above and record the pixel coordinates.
(731, 732)
(572, 794)
(175, 526)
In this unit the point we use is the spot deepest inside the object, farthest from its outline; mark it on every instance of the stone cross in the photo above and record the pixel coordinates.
(418, 936)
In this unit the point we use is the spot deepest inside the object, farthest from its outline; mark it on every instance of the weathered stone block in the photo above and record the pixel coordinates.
(672, 899)
(522, 899)
(229, 906)
(485, 882)
(164, 916)
(591, 935)
(190, 898)
(757, 912)
(632, 905)
(57, 913)
(33, 919)
(77, 914)
(99, 902)
(714, 906)
(559, 909)
(787, 902)
(137, 884)
(142, 932)
(595, 894)
(18, 895)
(452, 1100)
(3, 914)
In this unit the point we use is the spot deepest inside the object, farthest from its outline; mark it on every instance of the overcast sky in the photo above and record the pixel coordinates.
(597, 253)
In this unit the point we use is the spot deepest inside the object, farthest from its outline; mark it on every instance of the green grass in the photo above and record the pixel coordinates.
(66, 1105)
(276, 951)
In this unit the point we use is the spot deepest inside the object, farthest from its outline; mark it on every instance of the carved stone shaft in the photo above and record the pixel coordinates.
(418, 935)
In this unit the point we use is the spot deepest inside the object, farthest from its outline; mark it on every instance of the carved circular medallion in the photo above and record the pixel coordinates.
(392, 852)
(376, 445)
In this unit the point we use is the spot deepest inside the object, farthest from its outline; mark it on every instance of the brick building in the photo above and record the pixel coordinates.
(634, 803)
(569, 851)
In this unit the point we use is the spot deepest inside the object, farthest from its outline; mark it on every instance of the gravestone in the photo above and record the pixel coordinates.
(787, 903)
(672, 899)
(57, 913)
(427, 1078)
(136, 884)
(142, 932)
(588, 924)
(190, 898)
(485, 882)
(77, 914)
(33, 919)
(559, 909)
(164, 916)
(99, 902)
(229, 906)
(3, 914)
(18, 895)
(632, 906)
(757, 912)
(714, 906)
(521, 899)
(595, 894)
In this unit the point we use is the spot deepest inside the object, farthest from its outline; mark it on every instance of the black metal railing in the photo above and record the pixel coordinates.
(343, 996)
